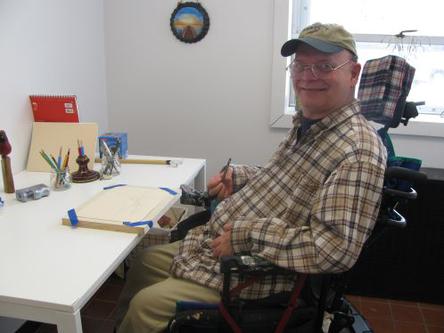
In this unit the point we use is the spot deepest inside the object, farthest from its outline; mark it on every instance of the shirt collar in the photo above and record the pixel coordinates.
(331, 120)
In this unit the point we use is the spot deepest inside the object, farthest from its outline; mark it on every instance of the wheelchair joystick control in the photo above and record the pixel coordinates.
(191, 196)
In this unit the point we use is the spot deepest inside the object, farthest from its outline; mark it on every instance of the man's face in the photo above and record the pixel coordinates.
(320, 95)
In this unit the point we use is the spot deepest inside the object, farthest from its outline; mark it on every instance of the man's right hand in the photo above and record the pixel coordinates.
(221, 188)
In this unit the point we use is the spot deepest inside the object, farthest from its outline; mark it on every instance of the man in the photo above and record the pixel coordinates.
(310, 208)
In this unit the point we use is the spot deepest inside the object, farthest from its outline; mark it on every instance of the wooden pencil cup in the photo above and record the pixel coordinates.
(83, 174)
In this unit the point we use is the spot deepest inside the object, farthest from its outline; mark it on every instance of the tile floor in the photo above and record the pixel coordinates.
(384, 316)
(390, 316)
(97, 314)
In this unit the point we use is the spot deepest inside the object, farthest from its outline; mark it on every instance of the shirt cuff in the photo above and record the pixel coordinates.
(240, 177)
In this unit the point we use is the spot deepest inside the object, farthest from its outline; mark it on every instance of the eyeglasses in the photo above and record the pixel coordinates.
(318, 70)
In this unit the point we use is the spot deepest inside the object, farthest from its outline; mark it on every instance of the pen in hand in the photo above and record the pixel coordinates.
(216, 186)
(225, 170)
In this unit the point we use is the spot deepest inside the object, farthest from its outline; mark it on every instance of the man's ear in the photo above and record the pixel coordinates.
(356, 70)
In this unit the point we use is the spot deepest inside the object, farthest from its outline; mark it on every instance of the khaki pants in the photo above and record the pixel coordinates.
(152, 293)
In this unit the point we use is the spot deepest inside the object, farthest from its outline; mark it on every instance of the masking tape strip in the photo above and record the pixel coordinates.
(112, 186)
(170, 191)
(73, 217)
(139, 223)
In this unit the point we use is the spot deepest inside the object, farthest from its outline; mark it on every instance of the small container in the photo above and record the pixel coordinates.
(34, 192)
(110, 167)
(60, 180)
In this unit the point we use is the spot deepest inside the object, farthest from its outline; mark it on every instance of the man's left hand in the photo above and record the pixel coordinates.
(222, 244)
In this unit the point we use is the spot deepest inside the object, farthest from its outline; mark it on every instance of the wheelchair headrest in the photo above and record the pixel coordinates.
(383, 89)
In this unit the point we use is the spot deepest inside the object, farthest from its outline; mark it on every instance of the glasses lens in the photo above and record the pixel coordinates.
(323, 68)
(297, 68)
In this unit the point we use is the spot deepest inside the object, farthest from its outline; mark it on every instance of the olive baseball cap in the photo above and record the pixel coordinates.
(328, 38)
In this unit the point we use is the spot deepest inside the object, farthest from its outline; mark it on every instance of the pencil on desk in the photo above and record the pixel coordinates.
(145, 161)
(136, 161)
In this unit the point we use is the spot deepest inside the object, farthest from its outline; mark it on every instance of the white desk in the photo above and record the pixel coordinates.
(49, 271)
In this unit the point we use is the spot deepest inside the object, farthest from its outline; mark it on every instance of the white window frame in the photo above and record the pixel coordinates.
(281, 113)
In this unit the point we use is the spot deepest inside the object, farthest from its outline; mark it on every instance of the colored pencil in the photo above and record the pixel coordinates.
(59, 159)
(66, 160)
(48, 160)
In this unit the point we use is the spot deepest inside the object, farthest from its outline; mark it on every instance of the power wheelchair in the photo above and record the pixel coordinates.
(316, 303)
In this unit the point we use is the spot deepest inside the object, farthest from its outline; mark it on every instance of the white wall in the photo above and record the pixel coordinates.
(210, 99)
(49, 47)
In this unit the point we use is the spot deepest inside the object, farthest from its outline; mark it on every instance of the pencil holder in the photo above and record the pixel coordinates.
(60, 180)
(110, 167)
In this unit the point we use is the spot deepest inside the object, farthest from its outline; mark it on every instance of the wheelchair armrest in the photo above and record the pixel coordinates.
(397, 183)
(182, 228)
(411, 195)
(250, 265)
(394, 219)
(405, 174)
(194, 197)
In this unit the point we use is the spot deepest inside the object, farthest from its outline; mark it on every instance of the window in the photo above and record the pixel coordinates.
(375, 24)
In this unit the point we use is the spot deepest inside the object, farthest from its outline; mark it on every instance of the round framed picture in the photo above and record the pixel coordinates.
(189, 22)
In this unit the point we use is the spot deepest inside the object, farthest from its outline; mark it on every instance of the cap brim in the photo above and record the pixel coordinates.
(291, 46)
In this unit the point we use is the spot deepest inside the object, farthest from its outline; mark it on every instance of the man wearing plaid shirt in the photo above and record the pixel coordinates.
(309, 209)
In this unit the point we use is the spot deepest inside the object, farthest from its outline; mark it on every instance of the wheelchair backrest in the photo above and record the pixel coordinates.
(383, 89)
(384, 86)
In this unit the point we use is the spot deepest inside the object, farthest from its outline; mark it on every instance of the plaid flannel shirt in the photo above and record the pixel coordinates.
(310, 208)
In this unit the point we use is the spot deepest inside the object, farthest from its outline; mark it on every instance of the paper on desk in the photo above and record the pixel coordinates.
(110, 208)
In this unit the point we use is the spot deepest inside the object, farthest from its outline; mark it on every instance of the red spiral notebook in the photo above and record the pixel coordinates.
(55, 108)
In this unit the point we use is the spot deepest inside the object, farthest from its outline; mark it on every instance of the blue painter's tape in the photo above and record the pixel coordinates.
(73, 217)
(170, 191)
(112, 186)
(139, 223)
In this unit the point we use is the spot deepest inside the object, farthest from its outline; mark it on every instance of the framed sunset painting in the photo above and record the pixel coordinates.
(189, 22)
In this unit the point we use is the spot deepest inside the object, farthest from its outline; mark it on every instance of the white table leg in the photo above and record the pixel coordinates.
(200, 180)
(69, 323)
